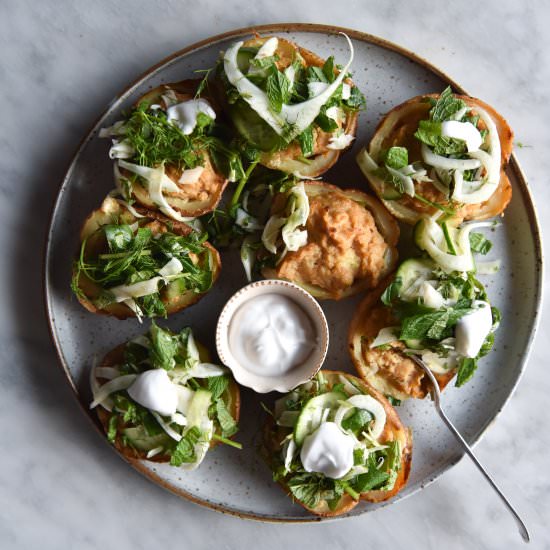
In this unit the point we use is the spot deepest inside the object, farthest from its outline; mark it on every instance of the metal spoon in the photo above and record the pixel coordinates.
(436, 395)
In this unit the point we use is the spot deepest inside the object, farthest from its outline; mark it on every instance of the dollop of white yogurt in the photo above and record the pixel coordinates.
(473, 328)
(153, 390)
(328, 451)
(462, 130)
(184, 115)
(271, 334)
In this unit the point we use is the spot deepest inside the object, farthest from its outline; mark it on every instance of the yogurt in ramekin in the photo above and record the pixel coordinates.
(273, 335)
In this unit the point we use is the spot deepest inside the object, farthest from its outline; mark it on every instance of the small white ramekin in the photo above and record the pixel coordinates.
(299, 374)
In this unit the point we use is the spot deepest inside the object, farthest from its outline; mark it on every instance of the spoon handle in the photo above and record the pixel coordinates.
(436, 396)
(521, 526)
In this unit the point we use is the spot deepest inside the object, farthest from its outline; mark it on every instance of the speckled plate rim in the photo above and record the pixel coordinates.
(313, 28)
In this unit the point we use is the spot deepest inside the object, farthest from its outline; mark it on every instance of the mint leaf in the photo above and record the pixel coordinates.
(466, 371)
(356, 99)
(370, 480)
(431, 325)
(324, 122)
(264, 62)
(446, 106)
(152, 306)
(479, 243)
(417, 326)
(358, 456)
(380, 476)
(164, 347)
(305, 139)
(429, 132)
(185, 449)
(438, 328)
(217, 385)
(316, 74)
(119, 237)
(134, 355)
(306, 488)
(277, 90)
(226, 421)
(357, 421)
(328, 69)
(396, 157)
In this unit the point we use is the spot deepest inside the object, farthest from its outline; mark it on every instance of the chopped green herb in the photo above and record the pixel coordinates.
(466, 370)
(446, 106)
(306, 141)
(226, 421)
(278, 90)
(185, 449)
(217, 385)
(480, 243)
(164, 347)
(393, 401)
(429, 132)
(112, 429)
(396, 157)
(358, 421)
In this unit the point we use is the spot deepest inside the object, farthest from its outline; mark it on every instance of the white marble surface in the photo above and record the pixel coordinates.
(60, 64)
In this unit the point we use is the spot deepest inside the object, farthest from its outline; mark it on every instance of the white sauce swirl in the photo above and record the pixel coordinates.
(270, 335)
(328, 451)
(472, 329)
(153, 390)
(184, 115)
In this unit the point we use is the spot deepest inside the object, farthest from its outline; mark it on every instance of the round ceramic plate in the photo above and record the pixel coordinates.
(238, 482)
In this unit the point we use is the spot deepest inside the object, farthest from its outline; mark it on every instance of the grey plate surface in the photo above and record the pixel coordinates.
(238, 482)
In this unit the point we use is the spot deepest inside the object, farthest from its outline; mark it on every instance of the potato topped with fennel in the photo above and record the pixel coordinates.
(440, 152)
(158, 397)
(334, 441)
(443, 317)
(298, 110)
(166, 156)
(135, 262)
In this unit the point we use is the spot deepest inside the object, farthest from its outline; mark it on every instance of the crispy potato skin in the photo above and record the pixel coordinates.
(389, 371)
(397, 128)
(109, 209)
(393, 430)
(345, 227)
(193, 199)
(116, 357)
(287, 160)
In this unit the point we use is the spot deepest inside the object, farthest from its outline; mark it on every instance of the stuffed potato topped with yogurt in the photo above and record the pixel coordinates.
(442, 152)
(334, 441)
(297, 109)
(442, 316)
(158, 397)
(165, 153)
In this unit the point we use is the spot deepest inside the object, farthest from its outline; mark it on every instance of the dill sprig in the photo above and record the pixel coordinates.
(157, 141)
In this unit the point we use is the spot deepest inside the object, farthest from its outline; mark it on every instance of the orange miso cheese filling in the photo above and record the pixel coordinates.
(343, 246)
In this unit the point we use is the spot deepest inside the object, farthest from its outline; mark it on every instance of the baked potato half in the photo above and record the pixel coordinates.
(440, 152)
(421, 310)
(348, 243)
(359, 414)
(133, 410)
(289, 104)
(141, 264)
(164, 152)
